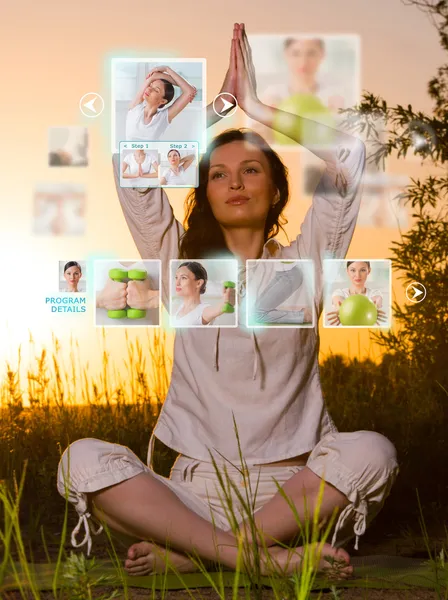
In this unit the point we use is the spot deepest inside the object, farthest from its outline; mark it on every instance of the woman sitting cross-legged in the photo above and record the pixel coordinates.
(264, 382)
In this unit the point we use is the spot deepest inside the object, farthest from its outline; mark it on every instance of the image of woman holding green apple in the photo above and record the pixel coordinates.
(357, 305)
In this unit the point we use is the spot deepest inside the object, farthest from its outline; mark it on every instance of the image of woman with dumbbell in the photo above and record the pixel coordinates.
(127, 293)
(264, 384)
(190, 283)
(358, 305)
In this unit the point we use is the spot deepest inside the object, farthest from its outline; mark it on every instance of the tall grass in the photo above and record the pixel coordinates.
(79, 579)
(45, 405)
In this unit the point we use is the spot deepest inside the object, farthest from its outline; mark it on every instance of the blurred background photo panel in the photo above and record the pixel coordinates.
(311, 75)
(67, 146)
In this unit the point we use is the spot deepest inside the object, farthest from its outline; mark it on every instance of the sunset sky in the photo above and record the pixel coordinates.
(54, 53)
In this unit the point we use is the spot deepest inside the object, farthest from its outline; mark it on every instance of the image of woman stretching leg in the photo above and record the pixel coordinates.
(280, 288)
(266, 383)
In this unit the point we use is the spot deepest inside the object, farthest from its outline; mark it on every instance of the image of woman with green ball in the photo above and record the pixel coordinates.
(238, 395)
(309, 75)
(357, 305)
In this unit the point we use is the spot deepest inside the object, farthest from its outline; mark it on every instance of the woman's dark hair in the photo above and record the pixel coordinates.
(198, 271)
(54, 159)
(352, 261)
(72, 263)
(287, 43)
(203, 236)
(174, 150)
(169, 92)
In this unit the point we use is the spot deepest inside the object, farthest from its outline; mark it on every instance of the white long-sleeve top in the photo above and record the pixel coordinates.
(267, 380)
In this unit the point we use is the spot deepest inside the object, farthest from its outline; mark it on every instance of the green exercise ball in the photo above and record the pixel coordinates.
(357, 311)
(309, 107)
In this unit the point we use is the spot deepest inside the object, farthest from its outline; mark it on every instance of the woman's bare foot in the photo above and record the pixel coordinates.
(333, 562)
(145, 558)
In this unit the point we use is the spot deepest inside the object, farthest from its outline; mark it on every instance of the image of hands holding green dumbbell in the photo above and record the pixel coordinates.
(203, 293)
(127, 293)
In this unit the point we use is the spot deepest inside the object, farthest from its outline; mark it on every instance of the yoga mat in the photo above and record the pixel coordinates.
(385, 572)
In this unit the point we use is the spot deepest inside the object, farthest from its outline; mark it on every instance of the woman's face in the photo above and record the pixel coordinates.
(186, 284)
(173, 158)
(72, 275)
(358, 273)
(240, 189)
(304, 57)
(140, 156)
(154, 93)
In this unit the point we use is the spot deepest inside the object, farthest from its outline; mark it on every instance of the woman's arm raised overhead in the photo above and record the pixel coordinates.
(188, 90)
(286, 123)
(328, 227)
(186, 161)
(139, 95)
(228, 86)
(155, 230)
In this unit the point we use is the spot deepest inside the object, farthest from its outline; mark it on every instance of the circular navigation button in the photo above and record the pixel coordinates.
(225, 105)
(415, 292)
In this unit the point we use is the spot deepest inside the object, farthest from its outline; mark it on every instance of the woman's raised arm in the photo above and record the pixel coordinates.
(286, 123)
(228, 86)
(155, 230)
(186, 161)
(188, 90)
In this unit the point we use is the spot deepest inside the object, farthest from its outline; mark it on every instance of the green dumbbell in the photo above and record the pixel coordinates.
(136, 275)
(229, 308)
(117, 275)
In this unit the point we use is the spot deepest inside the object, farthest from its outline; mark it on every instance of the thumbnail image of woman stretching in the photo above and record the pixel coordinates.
(139, 164)
(358, 272)
(288, 279)
(175, 173)
(151, 112)
(191, 281)
(266, 384)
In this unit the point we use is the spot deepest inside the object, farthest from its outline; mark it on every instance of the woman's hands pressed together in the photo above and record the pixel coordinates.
(246, 84)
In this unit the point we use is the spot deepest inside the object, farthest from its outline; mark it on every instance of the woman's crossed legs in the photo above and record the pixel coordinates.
(145, 506)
